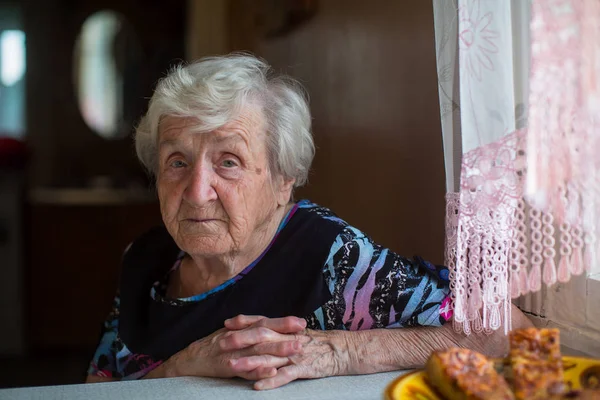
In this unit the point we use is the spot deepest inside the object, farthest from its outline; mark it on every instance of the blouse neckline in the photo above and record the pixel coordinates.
(158, 290)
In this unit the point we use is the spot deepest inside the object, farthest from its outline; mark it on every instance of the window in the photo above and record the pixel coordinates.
(12, 74)
(12, 46)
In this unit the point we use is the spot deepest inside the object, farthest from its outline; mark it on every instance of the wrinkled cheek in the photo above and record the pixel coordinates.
(167, 216)
(238, 230)
(168, 209)
(236, 202)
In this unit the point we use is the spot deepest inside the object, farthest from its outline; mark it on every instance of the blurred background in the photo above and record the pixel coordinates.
(75, 77)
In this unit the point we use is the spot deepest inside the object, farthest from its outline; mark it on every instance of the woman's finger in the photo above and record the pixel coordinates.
(283, 325)
(259, 373)
(247, 364)
(284, 376)
(242, 321)
(289, 324)
(238, 340)
(281, 349)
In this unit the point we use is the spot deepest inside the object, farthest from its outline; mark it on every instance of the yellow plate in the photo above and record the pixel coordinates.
(579, 373)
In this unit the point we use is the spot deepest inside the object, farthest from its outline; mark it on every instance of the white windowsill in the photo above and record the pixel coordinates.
(593, 302)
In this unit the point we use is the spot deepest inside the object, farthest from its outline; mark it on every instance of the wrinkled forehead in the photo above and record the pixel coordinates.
(248, 129)
(171, 127)
(250, 117)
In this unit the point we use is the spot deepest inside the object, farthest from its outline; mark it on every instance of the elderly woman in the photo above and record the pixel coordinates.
(243, 282)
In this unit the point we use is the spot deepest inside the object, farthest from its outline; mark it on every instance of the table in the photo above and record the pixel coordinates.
(365, 387)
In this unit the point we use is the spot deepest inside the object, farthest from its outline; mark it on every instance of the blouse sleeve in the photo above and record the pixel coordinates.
(104, 362)
(372, 287)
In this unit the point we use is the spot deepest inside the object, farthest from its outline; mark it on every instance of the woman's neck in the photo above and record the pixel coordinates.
(199, 274)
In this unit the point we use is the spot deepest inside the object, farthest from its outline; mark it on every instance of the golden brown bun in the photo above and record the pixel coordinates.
(536, 363)
(463, 374)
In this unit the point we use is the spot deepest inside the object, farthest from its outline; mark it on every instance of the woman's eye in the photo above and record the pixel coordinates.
(177, 164)
(229, 164)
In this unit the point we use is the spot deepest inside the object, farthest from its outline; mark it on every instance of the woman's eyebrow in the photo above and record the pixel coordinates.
(167, 143)
(231, 138)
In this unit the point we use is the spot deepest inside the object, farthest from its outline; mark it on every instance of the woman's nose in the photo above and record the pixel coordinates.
(200, 189)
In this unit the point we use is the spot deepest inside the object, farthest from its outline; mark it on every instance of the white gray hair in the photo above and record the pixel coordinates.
(214, 90)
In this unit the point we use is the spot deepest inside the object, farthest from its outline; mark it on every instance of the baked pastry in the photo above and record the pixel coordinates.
(536, 363)
(463, 374)
(533, 370)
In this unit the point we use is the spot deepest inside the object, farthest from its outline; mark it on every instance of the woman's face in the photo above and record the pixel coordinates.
(216, 192)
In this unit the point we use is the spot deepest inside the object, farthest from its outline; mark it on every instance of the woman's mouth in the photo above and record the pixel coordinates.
(201, 220)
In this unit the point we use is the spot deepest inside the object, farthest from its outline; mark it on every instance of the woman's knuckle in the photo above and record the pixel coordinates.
(240, 365)
(288, 347)
(238, 342)
(219, 343)
(233, 341)
(263, 332)
(286, 372)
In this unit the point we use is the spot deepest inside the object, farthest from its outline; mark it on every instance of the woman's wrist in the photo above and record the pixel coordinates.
(181, 363)
(171, 368)
(373, 351)
(340, 345)
(355, 361)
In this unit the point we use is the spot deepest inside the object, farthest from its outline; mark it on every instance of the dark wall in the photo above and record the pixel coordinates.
(370, 70)
(73, 251)
(66, 152)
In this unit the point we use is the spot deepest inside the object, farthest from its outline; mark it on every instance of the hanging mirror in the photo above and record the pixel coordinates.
(106, 70)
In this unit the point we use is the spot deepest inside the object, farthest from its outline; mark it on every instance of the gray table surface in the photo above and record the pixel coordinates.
(345, 387)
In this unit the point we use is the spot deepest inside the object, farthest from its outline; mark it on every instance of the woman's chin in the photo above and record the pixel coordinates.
(208, 227)
(203, 244)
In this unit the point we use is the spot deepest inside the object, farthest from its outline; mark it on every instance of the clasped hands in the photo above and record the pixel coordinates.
(270, 351)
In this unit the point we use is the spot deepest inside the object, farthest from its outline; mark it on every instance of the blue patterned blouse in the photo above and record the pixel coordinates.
(370, 287)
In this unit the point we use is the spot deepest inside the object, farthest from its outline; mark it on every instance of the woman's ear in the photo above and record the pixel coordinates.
(284, 190)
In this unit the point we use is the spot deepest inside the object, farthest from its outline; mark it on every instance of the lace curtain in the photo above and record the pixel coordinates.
(519, 98)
